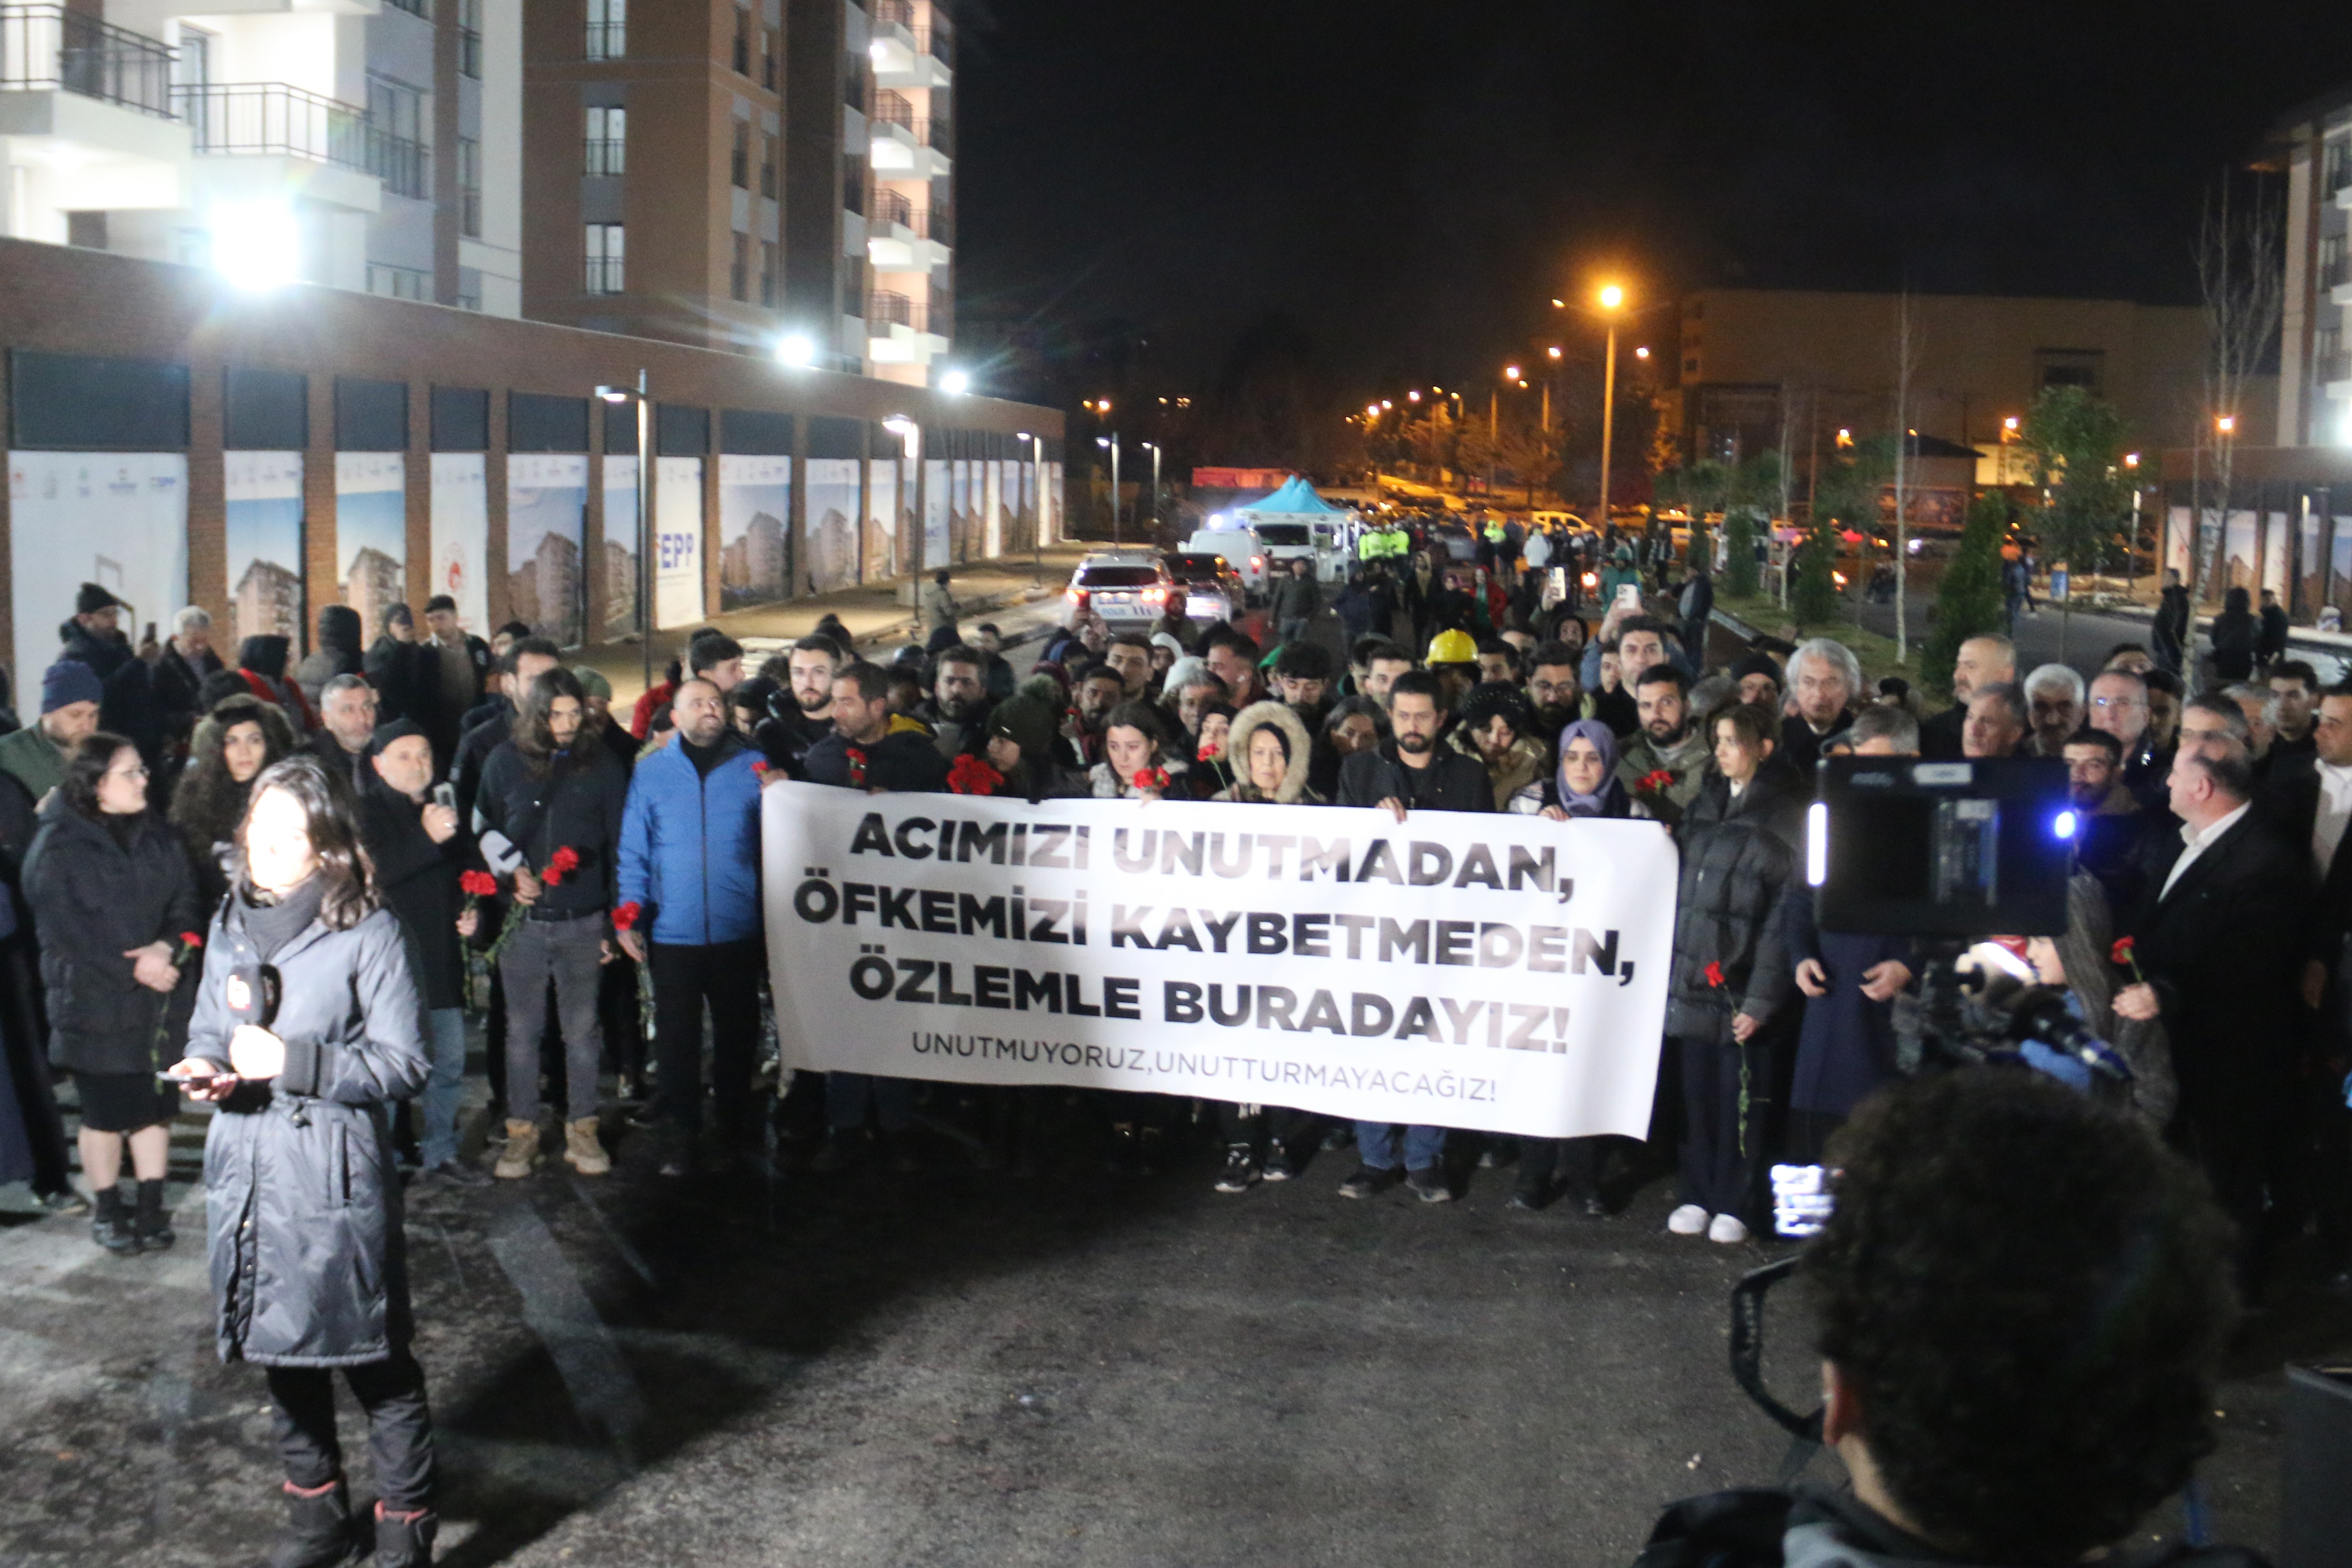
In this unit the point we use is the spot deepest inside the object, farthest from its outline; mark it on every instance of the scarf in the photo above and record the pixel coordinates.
(1605, 742)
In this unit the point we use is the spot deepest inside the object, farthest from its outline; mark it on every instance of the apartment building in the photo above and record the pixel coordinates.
(2312, 147)
(372, 145)
(769, 177)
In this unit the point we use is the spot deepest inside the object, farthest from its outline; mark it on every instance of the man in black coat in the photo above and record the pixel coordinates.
(1409, 771)
(863, 751)
(2221, 936)
(1981, 661)
(403, 670)
(418, 855)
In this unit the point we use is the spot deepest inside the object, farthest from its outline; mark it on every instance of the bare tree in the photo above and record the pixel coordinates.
(2242, 276)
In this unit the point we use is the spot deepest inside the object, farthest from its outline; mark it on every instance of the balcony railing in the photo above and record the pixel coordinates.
(271, 117)
(937, 42)
(607, 155)
(2339, 170)
(892, 207)
(2335, 270)
(399, 283)
(608, 40)
(893, 12)
(50, 47)
(2334, 367)
(893, 109)
(884, 309)
(889, 206)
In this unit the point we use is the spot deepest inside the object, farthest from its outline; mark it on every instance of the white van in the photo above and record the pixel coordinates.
(1326, 545)
(1241, 546)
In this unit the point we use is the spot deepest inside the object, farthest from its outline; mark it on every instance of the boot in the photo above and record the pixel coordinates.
(111, 1227)
(318, 1532)
(583, 1148)
(404, 1540)
(151, 1223)
(519, 1153)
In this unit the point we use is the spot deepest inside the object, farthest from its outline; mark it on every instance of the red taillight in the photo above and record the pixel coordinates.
(1257, 561)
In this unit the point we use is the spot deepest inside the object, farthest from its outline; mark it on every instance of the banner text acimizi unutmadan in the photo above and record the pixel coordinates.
(1493, 971)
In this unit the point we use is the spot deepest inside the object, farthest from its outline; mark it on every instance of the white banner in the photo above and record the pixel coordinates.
(1498, 973)
(678, 549)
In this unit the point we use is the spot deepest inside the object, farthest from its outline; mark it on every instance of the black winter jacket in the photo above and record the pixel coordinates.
(92, 899)
(1452, 782)
(301, 1201)
(419, 881)
(1738, 860)
(576, 805)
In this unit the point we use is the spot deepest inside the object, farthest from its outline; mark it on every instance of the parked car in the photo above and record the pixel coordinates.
(1121, 585)
(1212, 588)
(1451, 541)
(1242, 546)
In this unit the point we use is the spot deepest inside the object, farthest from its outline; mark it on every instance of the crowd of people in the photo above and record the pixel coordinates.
(434, 821)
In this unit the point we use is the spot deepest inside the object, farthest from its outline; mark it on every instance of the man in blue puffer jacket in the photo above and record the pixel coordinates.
(691, 865)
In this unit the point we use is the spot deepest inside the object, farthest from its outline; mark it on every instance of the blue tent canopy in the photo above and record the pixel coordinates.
(1293, 497)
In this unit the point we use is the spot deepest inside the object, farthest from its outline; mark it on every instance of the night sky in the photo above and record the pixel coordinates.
(1412, 183)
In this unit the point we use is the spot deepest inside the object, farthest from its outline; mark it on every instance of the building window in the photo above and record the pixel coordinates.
(853, 183)
(608, 29)
(608, 142)
(2331, 260)
(605, 254)
(400, 118)
(768, 60)
(414, 7)
(768, 167)
(192, 63)
(768, 273)
(742, 61)
(738, 271)
(739, 159)
(469, 38)
(469, 188)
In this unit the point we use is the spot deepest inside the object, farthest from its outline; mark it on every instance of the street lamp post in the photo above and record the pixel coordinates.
(1037, 508)
(1153, 447)
(645, 514)
(1111, 442)
(1611, 298)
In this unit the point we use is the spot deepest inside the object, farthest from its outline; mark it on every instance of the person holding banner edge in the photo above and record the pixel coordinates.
(1408, 771)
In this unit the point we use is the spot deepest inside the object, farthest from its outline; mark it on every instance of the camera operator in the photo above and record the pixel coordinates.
(2023, 1300)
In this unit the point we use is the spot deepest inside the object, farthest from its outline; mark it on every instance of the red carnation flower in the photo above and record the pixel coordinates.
(624, 916)
(560, 865)
(856, 766)
(1714, 972)
(1655, 779)
(1151, 778)
(192, 938)
(2126, 952)
(476, 884)
(973, 775)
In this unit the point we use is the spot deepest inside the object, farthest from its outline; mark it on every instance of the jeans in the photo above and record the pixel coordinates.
(727, 975)
(444, 1036)
(567, 951)
(399, 1421)
(1292, 629)
(849, 1095)
(1376, 1144)
(1721, 1158)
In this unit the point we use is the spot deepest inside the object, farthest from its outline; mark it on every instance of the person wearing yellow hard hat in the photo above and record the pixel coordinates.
(1452, 658)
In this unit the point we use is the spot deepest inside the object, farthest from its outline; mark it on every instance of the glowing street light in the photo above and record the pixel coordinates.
(257, 244)
(1641, 353)
(1510, 373)
(1611, 296)
(956, 383)
(797, 349)
(1386, 404)
(641, 395)
(1552, 352)
(2226, 424)
(1413, 396)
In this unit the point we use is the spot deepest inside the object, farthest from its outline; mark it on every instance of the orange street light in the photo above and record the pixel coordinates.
(1510, 373)
(1413, 396)
(1371, 411)
(2227, 423)
(1386, 404)
(1553, 351)
(1844, 437)
(1611, 296)
(1641, 353)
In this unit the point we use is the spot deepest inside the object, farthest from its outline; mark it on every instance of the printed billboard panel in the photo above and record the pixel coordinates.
(261, 494)
(547, 522)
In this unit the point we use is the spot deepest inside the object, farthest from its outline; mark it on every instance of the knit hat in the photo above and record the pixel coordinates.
(1026, 721)
(593, 682)
(397, 729)
(68, 681)
(93, 598)
(1755, 661)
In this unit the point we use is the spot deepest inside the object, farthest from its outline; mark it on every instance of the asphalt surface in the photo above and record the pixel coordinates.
(957, 1365)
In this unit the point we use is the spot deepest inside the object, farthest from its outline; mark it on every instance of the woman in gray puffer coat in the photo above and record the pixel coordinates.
(307, 1024)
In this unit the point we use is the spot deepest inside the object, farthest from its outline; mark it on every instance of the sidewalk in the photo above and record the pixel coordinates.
(876, 614)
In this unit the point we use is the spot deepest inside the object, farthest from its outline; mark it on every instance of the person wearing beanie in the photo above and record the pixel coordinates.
(1760, 679)
(35, 756)
(261, 660)
(338, 652)
(94, 635)
(418, 853)
(1020, 734)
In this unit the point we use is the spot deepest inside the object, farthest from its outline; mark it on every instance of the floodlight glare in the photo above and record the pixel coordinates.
(257, 244)
(796, 348)
(955, 383)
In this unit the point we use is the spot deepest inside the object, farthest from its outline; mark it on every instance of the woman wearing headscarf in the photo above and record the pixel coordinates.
(111, 894)
(241, 736)
(307, 1025)
(1269, 746)
(1583, 783)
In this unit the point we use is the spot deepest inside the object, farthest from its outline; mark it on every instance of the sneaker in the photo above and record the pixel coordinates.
(1727, 1229)
(1688, 1220)
(519, 1153)
(457, 1174)
(113, 1226)
(65, 1201)
(583, 1148)
(1368, 1181)
(1240, 1171)
(1428, 1185)
(1339, 1136)
(1527, 1198)
(1278, 1166)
